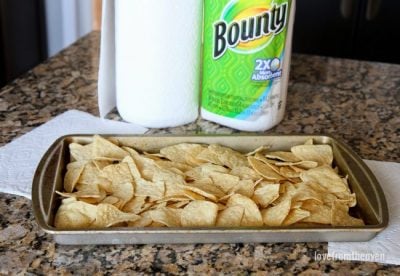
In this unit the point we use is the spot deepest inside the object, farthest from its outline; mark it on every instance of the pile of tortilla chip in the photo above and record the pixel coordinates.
(197, 185)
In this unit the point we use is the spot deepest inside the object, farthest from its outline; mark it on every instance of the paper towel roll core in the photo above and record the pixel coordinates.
(158, 48)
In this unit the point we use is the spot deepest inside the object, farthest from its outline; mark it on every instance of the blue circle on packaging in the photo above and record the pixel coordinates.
(275, 64)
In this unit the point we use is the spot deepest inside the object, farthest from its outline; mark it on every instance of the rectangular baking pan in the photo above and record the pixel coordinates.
(371, 204)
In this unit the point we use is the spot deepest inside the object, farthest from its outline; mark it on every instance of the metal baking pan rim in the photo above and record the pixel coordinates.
(127, 230)
(51, 230)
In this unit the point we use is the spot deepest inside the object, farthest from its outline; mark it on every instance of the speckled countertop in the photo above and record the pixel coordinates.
(358, 102)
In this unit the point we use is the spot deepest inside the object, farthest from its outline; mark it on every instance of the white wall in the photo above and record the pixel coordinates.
(66, 21)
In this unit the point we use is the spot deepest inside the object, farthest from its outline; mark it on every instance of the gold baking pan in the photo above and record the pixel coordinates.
(371, 206)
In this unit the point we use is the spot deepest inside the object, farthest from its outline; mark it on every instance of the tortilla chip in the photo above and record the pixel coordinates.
(288, 172)
(284, 156)
(118, 173)
(73, 214)
(166, 164)
(208, 186)
(302, 164)
(110, 200)
(225, 182)
(123, 191)
(104, 148)
(275, 216)
(305, 192)
(264, 169)
(144, 220)
(340, 216)
(168, 216)
(322, 154)
(318, 213)
(209, 156)
(244, 187)
(174, 183)
(260, 150)
(183, 153)
(230, 217)
(92, 175)
(84, 191)
(252, 215)
(132, 167)
(72, 176)
(192, 195)
(326, 177)
(154, 190)
(108, 215)
(201, 192)
(134, 205)
(262, 158)
(245, 173)
(199, 213)
(266, 194)
(146, 166)
(228, 157)
(347, 198)
(81, 153)
(295, 215)
(205, 171)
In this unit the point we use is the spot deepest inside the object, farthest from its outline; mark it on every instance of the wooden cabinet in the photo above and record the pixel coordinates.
(378, 33)
(360, 29)
(22, 37)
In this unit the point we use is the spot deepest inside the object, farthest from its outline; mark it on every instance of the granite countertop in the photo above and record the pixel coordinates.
(358, 102)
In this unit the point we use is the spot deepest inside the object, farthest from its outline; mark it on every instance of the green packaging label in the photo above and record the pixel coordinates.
(244, 48)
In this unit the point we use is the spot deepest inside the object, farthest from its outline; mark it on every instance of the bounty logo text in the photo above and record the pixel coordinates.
(250, 33)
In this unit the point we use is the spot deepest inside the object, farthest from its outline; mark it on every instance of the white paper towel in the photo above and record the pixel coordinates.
(157, 50)
(106, 80)
(19, 159)
(385, 248)
(268, 115)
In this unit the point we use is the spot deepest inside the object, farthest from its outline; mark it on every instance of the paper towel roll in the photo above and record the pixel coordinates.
(158, 47)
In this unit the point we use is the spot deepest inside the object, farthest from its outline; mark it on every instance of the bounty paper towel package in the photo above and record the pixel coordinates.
(247, 51)
(150, 61)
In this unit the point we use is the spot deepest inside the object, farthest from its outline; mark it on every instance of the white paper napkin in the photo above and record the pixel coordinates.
(384, 248)
(19, 159)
